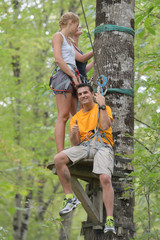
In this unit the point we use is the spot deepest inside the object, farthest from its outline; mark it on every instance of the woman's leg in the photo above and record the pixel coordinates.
(74, 103)
(63, 108)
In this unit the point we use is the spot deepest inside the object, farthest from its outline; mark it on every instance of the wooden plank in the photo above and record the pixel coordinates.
(84, 172)
(86, 202)
(98, 201)
(84, 162)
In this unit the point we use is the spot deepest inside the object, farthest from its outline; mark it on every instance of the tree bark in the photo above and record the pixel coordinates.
(17, 217)
(26, 215)
(114, 58)
(66, 226)
(20, 222)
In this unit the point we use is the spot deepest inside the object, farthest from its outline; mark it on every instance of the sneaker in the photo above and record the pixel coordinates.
(69, 205)
(109, 227)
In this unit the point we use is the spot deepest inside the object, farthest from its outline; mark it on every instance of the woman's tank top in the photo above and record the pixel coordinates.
(81, 66)
(68, 53)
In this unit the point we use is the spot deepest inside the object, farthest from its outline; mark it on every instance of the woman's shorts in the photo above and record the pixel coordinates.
(61, 83)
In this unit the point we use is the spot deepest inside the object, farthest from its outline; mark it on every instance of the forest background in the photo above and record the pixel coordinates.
(28, 116)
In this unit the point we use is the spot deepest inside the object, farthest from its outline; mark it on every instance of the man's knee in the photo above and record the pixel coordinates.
(105, 179)
(60, 159)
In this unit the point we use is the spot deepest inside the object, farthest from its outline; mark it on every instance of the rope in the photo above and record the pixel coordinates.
(86, 24)
(129, 92)
(110, 27)
(89, 35)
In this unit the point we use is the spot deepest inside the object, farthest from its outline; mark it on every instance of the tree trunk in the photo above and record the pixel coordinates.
(26, 216)
(20, 222)
(66, 226)
(114, 58)
(17, 217)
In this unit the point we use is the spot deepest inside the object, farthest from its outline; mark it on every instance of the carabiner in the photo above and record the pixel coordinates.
(103, 84)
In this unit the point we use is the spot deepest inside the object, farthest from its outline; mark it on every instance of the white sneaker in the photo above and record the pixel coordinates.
(109, 227)
(69, 205)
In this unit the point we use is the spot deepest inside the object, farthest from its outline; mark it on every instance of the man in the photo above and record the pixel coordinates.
(91, 136)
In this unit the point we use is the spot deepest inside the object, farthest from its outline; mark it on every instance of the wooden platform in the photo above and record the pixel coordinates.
(83, 170)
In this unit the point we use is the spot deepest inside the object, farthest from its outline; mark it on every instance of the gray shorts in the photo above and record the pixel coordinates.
(103, 159)
(61, 82)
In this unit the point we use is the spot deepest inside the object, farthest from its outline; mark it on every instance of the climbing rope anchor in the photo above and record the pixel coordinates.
(101, 85)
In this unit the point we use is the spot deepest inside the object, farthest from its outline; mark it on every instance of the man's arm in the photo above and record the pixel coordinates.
(75, 136)
(105, 120)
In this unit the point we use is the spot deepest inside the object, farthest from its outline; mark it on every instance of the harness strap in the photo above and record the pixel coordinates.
(103, 136)
(97, 135)
(67, 82)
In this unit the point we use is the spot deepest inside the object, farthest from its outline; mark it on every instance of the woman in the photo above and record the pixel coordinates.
(65, 81)
(81, 59)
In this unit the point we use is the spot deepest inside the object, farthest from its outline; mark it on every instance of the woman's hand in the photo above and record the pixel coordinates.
(76, 81)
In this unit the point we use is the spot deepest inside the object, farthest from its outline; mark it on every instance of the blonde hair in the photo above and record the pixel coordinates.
(66, 17)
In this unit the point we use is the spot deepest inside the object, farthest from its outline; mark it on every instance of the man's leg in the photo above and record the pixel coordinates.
(70, 202)
(108, 199)
(61, 160)
(108, 193)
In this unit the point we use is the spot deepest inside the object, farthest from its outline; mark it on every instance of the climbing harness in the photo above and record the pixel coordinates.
(77, 74)
(64, 83)
(96, 133)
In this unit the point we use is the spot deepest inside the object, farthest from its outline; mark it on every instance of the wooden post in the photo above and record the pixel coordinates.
(114, 58)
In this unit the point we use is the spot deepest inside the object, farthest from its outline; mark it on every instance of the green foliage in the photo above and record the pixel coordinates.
(28, 115)
(147, 87)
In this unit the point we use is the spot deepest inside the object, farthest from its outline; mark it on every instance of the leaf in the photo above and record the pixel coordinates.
(139, 19)
(147, 22)
(140, 31)
(150, 9)
(151, 30)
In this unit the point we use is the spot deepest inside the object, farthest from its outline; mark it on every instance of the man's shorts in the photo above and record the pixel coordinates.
(103, 159)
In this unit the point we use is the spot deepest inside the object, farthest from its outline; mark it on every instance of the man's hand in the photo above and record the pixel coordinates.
(99, 99)
(75, 136)
(75, 128)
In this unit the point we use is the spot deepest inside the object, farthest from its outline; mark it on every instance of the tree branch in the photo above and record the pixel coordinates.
(145, 124)
(142, 144)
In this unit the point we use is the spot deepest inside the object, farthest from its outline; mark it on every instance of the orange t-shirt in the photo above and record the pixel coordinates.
(88, 121)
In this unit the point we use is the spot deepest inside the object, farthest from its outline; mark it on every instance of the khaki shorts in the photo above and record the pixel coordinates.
(103, 158)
